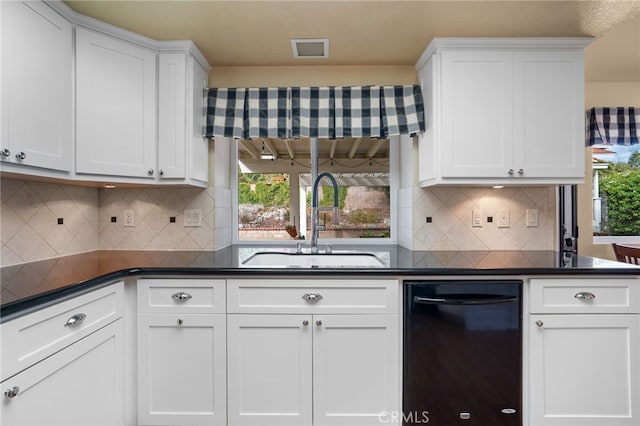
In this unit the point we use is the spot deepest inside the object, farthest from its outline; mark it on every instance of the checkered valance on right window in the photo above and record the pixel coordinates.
(323, 112)
(613, 126)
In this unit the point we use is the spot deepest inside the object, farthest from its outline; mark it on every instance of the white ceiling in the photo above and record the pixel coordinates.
(369, 32)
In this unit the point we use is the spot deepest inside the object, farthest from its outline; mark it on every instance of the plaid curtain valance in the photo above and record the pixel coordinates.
(613, 126)
(323, 112)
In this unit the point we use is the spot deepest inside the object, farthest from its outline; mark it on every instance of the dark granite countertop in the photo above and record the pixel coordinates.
(30, 286)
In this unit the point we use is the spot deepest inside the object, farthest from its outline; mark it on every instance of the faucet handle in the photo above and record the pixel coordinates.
(327, 249)
(298, 247)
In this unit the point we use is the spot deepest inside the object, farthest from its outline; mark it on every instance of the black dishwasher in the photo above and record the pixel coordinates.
(462, 353)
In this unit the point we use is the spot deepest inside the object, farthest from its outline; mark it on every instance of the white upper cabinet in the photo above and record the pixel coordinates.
(37, 104)
(197, 144)
(132, 111)
(477, 113)
(116, 106)
(548, 113)
(502, 111)
(172, 114)
(182, 149)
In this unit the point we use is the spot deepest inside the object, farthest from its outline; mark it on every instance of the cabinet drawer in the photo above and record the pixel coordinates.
(313, 296)
(579, 295)
(35, 336)
(198, 296)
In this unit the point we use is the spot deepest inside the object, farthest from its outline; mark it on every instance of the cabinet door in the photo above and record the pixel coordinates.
(198, 146)
(78, 386)
(477, 123)
(181, 369)
(269, 370)
(355, 369)
(172, 110)
(37, 80)
(115, 106)
(549, 114)
(584, 370)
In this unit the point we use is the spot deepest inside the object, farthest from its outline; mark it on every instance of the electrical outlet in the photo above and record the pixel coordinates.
(129, 219)
(532, 218)
(503, 218)
(476, 218)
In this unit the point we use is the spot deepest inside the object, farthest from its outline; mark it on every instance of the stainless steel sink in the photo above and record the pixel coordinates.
(268, 259)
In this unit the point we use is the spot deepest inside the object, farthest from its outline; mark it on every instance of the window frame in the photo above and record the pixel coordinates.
(607, 239)
(394, 184)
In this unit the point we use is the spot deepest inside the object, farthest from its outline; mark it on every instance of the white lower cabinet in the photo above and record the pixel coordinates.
(355, 369)
(312, 369)
(584, 370)
(181, 352)
(322, 362)
(269, 370)
(181, 369)
(78, 386)
(583, 364)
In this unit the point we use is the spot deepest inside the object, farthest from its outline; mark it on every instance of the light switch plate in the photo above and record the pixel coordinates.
(532, 218)
(129, 218)
(193, 217)
(476, 218)
(503, 218)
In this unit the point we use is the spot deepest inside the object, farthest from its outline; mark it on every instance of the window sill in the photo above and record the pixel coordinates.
(632, 239)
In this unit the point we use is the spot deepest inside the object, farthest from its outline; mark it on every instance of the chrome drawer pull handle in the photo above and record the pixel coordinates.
(12, 392)
(5, 152)
(585, 295)
(181, 296)
(75, 320)
(312, 297)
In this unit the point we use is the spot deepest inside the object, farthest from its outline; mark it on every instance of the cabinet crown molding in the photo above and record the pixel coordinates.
(497, 43)
(129, 36)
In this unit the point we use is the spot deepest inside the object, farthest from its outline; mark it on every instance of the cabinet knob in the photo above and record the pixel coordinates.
(181, 296)
(12, 392)
(521, 172)
(539, 323)
(305, 323)
(161, 172)
(318, 323)
(510, 172)
(180, 321)
(150, 172)
(21, 155)
(585, 295)
(312, 297)
(75, 320)
(5, 152)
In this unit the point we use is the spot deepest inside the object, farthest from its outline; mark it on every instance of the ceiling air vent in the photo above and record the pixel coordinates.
(310, 48)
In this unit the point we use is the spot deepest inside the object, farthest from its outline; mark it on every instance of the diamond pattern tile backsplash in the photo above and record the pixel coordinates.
(30, 212)
(451, 209)
(153, 210)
